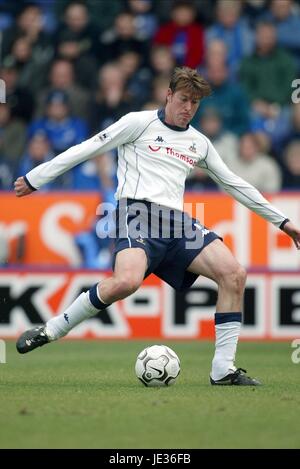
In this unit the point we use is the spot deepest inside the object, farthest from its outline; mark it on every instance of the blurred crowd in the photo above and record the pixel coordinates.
(71, 68)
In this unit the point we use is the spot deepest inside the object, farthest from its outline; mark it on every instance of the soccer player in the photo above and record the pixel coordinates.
(156, 151)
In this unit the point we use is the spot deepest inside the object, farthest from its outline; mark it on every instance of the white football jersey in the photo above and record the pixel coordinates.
(154, 160)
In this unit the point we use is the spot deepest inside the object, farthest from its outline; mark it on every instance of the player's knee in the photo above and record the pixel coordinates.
(235, 279)
(128, 284)
(238, 279)
(241, 277)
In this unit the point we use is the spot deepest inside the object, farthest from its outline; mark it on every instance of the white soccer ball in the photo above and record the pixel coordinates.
(157, 365)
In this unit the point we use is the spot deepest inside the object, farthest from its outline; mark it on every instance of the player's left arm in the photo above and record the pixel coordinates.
(246, 194)
(293, 232)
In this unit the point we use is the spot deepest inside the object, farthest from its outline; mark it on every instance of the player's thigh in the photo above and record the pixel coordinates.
(215, 261)
(131, 263)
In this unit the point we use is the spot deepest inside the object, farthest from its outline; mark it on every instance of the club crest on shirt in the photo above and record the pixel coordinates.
(193, 148)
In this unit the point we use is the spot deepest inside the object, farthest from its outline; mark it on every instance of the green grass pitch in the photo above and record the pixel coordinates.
(77, 394)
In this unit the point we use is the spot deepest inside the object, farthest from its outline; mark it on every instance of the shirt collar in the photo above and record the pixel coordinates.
(161, 116)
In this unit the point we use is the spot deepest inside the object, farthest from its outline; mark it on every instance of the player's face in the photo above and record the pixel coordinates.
(181, 107)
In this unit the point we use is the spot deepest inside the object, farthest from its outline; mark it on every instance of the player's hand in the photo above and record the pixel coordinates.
(293, 233)
(21, 188)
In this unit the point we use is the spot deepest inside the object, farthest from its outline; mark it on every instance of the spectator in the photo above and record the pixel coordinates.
(216, 53)
(233, 29)
(205, 8)
(292, 131)
(160, 86)
(77, 41)
(62, 78)
(183, 34)
(225, 143)
(8, 11)
(267, 75)
(137, 86)
(145, 20)
(253, 10)
(273, 128)
(161, 61)
(231, 101)
(6, 176)
(102, 12)
(19, 99)
(29, 25)
(32, 72)
(123, 38)
(285, 16)
(12, 137)
(263, 141)
(97, 174)
(258, 169)
(109, 102)
(38, 151)
(49, 18)
(95, 253)
(291, 173)
(62, 129)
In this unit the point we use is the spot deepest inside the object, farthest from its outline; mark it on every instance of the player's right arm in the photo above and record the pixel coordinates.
(123, 131)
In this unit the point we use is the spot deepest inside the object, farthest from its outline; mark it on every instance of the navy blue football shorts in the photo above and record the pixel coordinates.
(170, 238)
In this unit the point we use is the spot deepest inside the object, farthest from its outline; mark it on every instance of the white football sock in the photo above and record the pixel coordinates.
(77, 312)
(227, 335)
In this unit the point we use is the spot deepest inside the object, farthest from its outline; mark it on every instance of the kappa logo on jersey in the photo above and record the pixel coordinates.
(203, 230)
(159, 139)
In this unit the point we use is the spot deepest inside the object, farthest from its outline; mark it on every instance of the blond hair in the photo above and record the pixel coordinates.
(189, 79)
